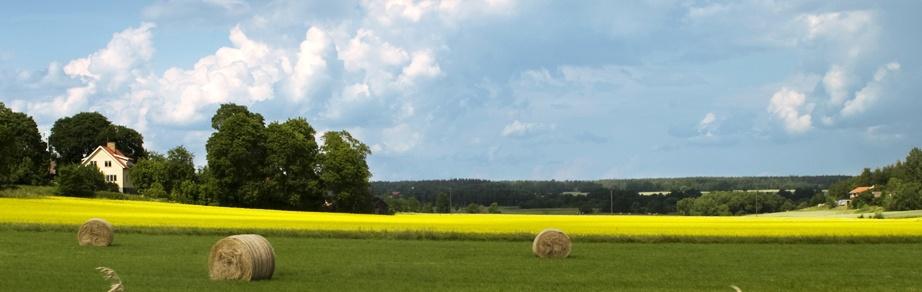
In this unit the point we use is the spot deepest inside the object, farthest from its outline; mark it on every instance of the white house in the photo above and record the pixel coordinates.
(113, 164)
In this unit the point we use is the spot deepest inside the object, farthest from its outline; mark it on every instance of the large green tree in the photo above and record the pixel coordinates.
(23, 155)
(75, 136)
(345, 173)
(291, 162)
(237, 155)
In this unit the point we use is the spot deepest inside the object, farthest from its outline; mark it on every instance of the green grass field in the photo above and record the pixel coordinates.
(52, 261)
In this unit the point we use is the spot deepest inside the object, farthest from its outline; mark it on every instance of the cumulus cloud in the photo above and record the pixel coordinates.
(245, 73)
(870, 93)
(107, 70)
(311, 64)
(423, 65)
(366, 51)
(792, 109)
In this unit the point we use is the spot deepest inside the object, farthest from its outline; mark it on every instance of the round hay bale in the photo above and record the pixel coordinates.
(95, 232)
(551, 243)
(245, 257)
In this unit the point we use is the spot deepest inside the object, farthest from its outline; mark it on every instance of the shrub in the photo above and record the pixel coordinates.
(79, 181)
(185, 192)
(155, 191)
(494, 208)
(472, 208)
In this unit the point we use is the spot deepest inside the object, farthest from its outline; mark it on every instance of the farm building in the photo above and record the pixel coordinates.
(860, 190)
(113, 164)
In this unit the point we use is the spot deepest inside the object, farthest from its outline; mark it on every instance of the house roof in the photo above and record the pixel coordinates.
(859, 190)
(118, 156)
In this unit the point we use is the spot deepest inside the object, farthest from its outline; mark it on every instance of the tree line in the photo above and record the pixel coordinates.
(707, 184)
(588, 196)
(250, 164)
(896, 187)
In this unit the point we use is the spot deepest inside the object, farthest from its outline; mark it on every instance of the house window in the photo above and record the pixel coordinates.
(108, 163)
(111, 178)
(93, 163)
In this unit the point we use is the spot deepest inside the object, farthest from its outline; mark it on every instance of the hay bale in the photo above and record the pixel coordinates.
(551, 243)
(95, 232)
(245, 257)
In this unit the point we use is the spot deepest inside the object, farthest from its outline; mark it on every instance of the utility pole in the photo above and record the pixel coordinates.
(611, 201)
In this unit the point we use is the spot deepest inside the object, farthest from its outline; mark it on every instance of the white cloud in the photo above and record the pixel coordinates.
(107, 70)
(423, 65)
(311, 64)
(245, 73)
(523, 129)
(837, 24)
(366, 51)
(850, 34)
(870, 93)
(110, 66)
(707, 125)
(791, 108)
(836, 84)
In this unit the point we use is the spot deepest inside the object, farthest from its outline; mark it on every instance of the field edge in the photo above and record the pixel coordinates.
(467, 236)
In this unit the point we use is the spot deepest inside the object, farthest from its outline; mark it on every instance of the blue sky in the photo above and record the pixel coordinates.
(496, 89)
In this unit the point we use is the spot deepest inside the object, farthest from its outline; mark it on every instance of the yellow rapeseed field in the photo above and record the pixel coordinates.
(72, 211)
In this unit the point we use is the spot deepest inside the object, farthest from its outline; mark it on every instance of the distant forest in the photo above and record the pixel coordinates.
(613, 195)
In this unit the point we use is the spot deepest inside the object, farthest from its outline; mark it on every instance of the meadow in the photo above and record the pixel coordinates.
(52, 261)
(164, 247)
(49, 212)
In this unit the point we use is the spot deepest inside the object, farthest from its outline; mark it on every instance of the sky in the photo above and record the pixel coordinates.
(495, 89)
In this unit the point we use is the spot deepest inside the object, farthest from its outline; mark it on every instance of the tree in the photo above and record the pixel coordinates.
(180, 167)
(344, 172)
(229, 110)
(73, 137)
(127, 140)
(237, 155)
(906, 195)
(291, 159)
(441, 203)
(912, 168)
(168, 171)
(147, 171)
(23, 155)
(79, 180)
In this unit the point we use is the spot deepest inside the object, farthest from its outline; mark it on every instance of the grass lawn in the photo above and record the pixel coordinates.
(52, 261)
